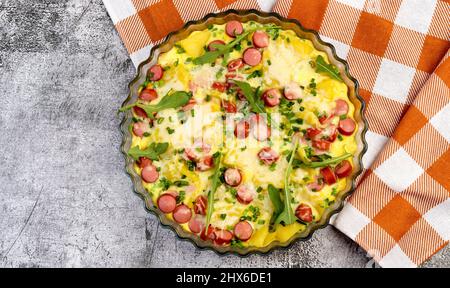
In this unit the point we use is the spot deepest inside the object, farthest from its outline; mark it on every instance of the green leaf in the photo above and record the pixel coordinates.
(152, 152)
(324, 67)
(215, 183)
(287, 216)
(174, 100)
(327, 162)
(252, 97)
(211, 56)
(274, 195)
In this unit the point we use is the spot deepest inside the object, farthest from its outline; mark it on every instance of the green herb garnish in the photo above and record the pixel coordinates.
(174, 100)
(215, 182)
(152, 152)
(323, 67)
(327, 162)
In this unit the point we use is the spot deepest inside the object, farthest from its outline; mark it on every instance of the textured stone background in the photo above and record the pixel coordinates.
(65, 199)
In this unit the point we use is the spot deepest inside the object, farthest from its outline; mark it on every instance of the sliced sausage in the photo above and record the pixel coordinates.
(139, 128)
(323, 119)
(144, 162)
(182, 214)
(197, 151)
(321, 144)
(328, 175)
(139, 112)
(347, 126)
(235, 64)
(196, 224)
(233, 177)
(343, 169)
(311, 133)
(148, 95)
(304, 213)
(234, 28)
(261, 132)
(341, 107)
(242, 129)
(167, 203)
(219, 86)
(200, 204)
(252, 56)
(315, 186)
(271, 97)
(150, 174)
(206, 163)
(245, 194)
(212, 45)
(155, 73)
(243, 230)
(293, 91)
(268, 156)
(208, 234)
(329, 133)
(223, 237)
(260, 39)
(229, 107)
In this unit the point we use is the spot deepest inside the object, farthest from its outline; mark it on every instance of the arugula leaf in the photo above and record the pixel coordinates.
(287, 216)
(152, 152)
(330, 69)
(325, 163)
(215, 183)
(211, 56)
(252, 97)
(174, 100)
(274, 195)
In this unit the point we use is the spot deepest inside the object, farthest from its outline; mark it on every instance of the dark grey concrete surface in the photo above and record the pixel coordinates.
(65, 200)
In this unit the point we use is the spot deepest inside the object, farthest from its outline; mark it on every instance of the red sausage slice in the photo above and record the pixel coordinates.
(312, 132)
(196, 224)
(219, 86)
(321, 145)
(304, 213)
(252, 56)
(261, 131)
(293, 91)
(243, 230)
(144, 162)
(235, 64)
(229, 107)
(271, 97)
(208, 234)
(329, 133)
(150, 174)
(155, 73)
(260, 39)
(245, 194)
(206, 163)
(242, 129)
(223, 237)
(182, 214)
(341, 107)
(167, 203)
(268, 156)
(233, 177)
(315, 186)
(148, 95)
(139, 112)
(200, 205)
(234, 28)
(343, 169)
(197, 151)
(325, 118)
(328, 175)
(139, 128)
(347, 126)
(212, 47)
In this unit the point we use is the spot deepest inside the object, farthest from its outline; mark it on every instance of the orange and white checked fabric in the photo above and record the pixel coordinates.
(399, 52)
(144, 23)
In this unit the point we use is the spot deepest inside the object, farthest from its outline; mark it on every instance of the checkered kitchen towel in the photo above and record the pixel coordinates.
(399, 52)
